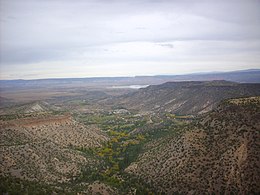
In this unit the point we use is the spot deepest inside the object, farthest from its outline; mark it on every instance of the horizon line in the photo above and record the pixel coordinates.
(102, 77)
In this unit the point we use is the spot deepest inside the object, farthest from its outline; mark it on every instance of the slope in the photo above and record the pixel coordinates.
(43, 147)
(218, 154)
(185, 98)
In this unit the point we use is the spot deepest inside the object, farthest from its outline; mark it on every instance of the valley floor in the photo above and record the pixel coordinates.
(95, 148)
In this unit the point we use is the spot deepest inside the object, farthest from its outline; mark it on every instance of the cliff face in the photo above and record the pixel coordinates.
(220, 153)
(186, 97)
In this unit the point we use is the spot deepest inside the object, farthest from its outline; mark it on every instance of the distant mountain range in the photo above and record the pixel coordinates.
(242, 76)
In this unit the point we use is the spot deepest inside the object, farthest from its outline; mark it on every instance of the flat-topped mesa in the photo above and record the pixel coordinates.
(186, 98)
(49, 120)
(38, 121)
(61, 129)
(44, 147)
(196, 83)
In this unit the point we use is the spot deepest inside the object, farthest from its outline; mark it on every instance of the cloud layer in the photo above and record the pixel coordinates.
(62, 38)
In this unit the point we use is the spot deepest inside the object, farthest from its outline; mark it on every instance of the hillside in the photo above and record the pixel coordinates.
(31, 108)
(43, 147)
(218, 154)
(185, 98)
(149, 141)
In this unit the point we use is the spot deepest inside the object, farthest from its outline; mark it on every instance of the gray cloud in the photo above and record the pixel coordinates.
(114, 33)
(167, 45)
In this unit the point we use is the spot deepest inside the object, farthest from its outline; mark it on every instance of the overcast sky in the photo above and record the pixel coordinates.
(89, 38)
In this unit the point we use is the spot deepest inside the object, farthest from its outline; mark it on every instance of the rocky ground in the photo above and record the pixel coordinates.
(135, 144)
(43, 148)
(219, 154)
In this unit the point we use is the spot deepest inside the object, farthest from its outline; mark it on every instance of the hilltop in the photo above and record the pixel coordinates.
(43, 147)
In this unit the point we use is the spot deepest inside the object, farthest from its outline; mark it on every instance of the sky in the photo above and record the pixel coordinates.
(95, 38)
